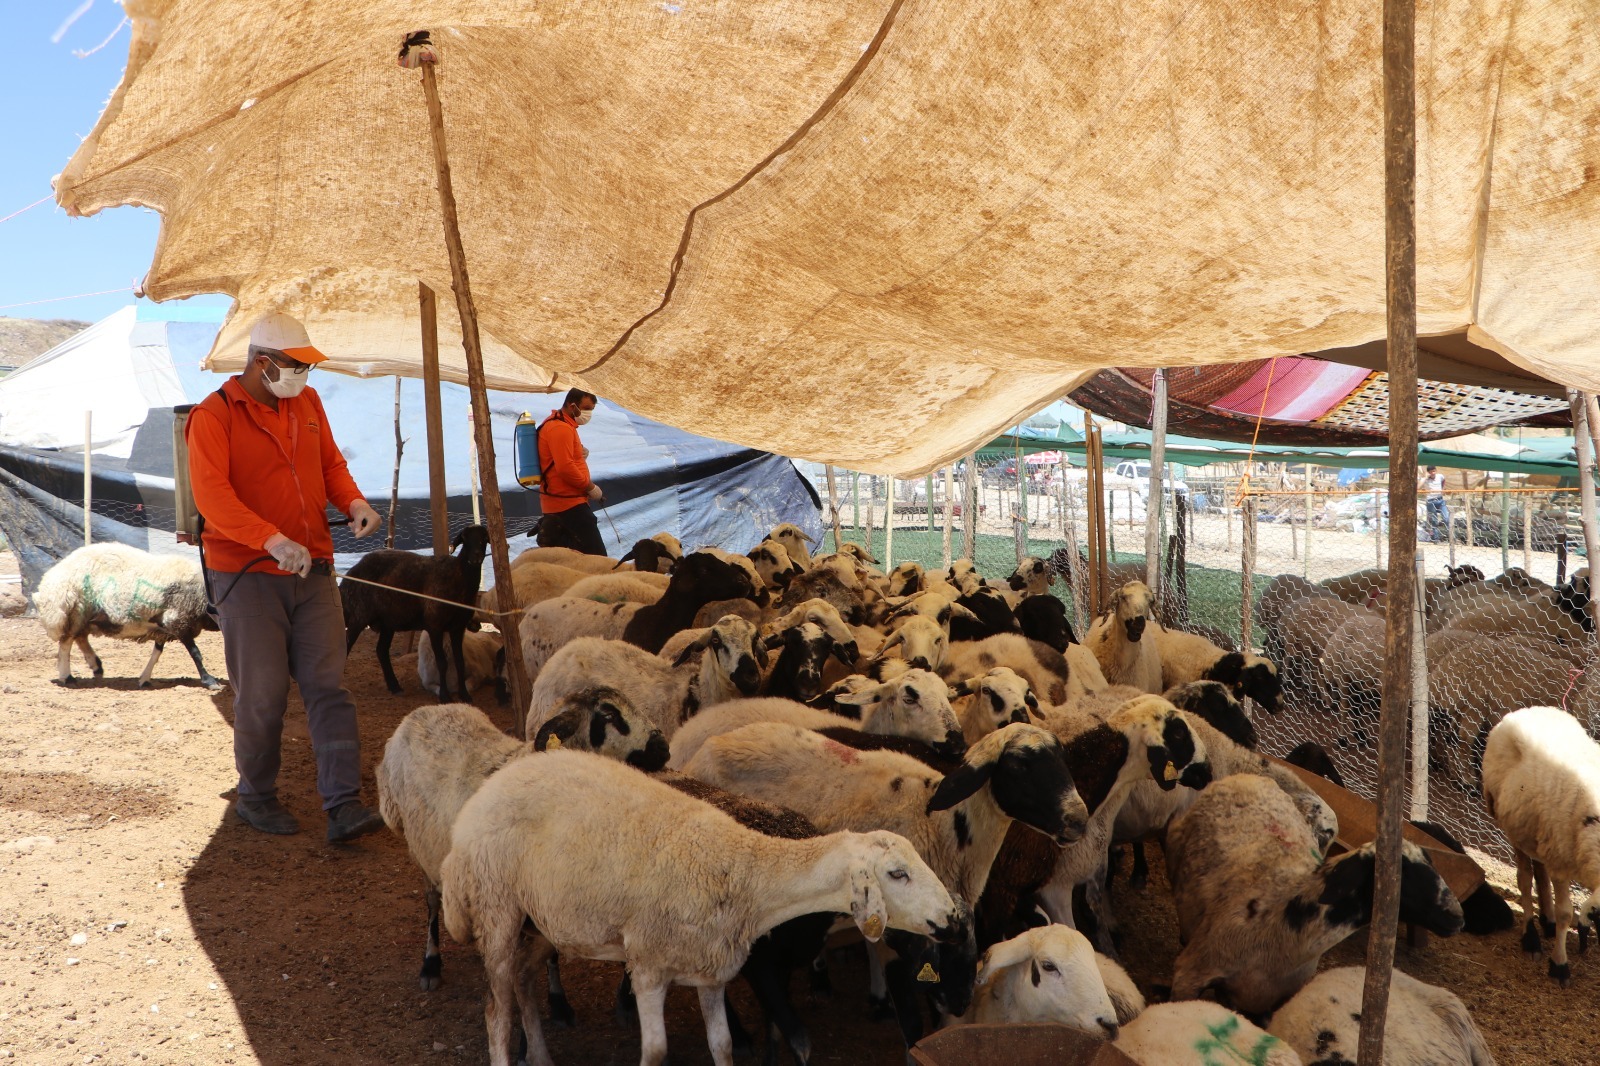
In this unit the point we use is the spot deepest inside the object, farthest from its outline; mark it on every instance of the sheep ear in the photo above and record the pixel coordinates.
(627, 558)
(758, 648)
(1229, 669)
(897, 637)
(774, 642)
(959, 611)
(693, 648)
(597, 728)
(866, 904)
(1032, 701)
(859, 699)
(1003, 956)
(554, 732)
(958, 785)
(962, 688)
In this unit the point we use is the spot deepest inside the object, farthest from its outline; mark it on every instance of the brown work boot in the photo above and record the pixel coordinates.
(350, 820)
(267, 815)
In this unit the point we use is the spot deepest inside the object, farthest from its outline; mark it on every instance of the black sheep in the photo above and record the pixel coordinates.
(1044, 618)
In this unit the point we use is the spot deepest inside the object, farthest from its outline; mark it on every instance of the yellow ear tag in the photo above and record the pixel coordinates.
(874, 927)
(926, 974)
(1171, 772)
(554, 743)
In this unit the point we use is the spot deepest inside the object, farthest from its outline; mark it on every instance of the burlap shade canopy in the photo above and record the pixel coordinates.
(872, 234)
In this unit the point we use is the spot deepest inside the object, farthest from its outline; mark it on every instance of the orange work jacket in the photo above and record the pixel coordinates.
(566, 473)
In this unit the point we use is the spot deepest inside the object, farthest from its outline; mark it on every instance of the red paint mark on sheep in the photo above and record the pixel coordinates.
(843, 753)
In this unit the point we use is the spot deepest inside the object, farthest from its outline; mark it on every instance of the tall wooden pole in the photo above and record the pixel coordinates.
(437, 500)
(949, 513)
(1400, 227)
(833, 505)
(1155, 500)
(399, 450)
(483, 429)
(1583, 445)
(1247, 573)
(969, 509)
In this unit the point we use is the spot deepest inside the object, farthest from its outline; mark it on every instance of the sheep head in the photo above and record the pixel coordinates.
(736, 651)
(807, 647)
(916, 704)
(1049, 974)
(1131, 607)
(1213, 702)
(773, 565)
(922, 643)
(891, 887)
(1032, 575)
(859, 551)
(794, 540)
(1000, 698)
(905, 579)
(1028, 778)
(601, 720)
(1175, 754)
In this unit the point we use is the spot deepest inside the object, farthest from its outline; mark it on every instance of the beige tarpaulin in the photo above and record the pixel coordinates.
(871, 234)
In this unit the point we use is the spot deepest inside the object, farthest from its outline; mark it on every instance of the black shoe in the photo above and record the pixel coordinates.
(350, 820)
(266, 815)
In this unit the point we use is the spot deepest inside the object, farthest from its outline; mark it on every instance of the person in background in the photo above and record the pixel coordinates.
(1438, 513)
(264, 467)
(567, 492)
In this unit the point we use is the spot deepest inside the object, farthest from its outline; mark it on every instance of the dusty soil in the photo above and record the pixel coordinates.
(206, 942)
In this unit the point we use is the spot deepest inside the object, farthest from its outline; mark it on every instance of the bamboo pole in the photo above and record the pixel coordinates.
(437, 499)
(399, 450)
(1155, 500)
(88, 478)
(949, 512)
(1400, 177)
(833, 505)
(516, 670)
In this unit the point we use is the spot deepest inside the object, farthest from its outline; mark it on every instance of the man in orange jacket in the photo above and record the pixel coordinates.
(264, 466)
(567, 491)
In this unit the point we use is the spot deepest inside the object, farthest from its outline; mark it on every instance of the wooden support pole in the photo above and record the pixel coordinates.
(483, 429)
(1584, 446)
(855, 503)
(437, 500)
(949, 512)
(888, 528)
(1505, 521)
(1306, 557)
(928, 488)
(969, 510)
(1419, 699)
(1155, 500)
(399, 450)
(1247, 572)
(1527, 533)
(833, 505)
(872, 509)
(1400, 228)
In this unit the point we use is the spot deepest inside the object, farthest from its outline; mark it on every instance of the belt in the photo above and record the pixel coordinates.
(322, 566)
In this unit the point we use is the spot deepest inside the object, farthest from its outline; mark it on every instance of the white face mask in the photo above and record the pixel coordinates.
(584, 416)
(289, 382)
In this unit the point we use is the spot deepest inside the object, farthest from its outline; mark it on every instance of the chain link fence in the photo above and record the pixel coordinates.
(1505, 625)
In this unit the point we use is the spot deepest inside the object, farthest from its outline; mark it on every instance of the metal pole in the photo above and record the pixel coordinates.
(1400, 227)
(1419, 700)
(516, 670)
(88, 479)
(437, 498)
(1155, 500)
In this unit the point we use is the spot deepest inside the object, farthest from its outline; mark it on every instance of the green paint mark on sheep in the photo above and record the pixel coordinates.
(145, 594)
(1217, 1048)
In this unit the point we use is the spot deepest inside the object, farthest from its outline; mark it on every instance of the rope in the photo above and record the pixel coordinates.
(30, 207)
(425, 596)
(1244, 483)
(1573, 674)
(59, 299)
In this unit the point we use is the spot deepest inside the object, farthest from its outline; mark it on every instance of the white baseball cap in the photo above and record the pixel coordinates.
(284, 333)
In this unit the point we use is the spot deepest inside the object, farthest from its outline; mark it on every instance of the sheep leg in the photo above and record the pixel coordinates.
(96, 667)
(1141, 868)
(1094, 898)
(769, 980)
(150, 664)
(650, 992)
(432, 962)
(529, 952)
(561, 1015)
(351, 635)
(436, 640)
(1541, 881)
(627, 1008)
(713, 1008)
(64, 662)
(903, 993)
(1530, 936)
(456, 638)
(385, 638)
(821, 980)
(206, 679)
(1560, 969)
(498, 944)
(879, 1007)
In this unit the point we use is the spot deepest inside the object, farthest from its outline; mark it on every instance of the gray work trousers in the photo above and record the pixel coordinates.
(275, 627)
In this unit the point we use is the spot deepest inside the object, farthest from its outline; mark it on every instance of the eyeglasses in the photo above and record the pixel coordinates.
(280, 360)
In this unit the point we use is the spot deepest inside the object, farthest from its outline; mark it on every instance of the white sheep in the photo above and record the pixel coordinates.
(1046, 975)
(1116, 639)
(570, 558)
(624, 586)
(1032, 577)
(485, 656)
(915, 705)
(1427, 1026)
(1189, 657)
(440, 755)
(1125, 995)
(1258, 905)
(668, 694)
(119, 591)
(686, 889)
(1200, 1034)
(794, 541)
(1054, 677)
(535, 582)
(1541, 783)
(989, 701)
(922, 643)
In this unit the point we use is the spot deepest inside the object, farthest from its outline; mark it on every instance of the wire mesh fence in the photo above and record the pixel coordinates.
(1504, 625)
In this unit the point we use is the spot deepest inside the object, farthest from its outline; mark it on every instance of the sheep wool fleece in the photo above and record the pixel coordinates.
(274, 628)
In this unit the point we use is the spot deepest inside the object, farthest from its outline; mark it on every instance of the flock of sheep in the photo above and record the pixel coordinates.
(730, 757)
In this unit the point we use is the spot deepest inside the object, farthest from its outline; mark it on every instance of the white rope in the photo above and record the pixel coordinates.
(30, 207)
(59, 299)
(425, 596)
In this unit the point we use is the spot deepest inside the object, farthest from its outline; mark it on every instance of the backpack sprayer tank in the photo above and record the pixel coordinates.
(525, 437)
(187, 525)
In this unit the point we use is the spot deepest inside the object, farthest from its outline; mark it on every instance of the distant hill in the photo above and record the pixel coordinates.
(23, 338)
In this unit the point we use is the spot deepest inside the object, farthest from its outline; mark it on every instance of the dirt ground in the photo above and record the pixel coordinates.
(140, 922)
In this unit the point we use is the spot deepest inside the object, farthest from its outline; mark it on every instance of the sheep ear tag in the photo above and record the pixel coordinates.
(927, 975)
(874, 927)
(554, 743)
(1171, 772)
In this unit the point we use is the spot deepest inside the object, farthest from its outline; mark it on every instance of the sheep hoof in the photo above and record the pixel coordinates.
(211, 684)
(879, 1009)
(1530, 941)
(1583, 940)
(432, 967)
(561, 1015)
(1561, 973)
(99, 671)
(394, 689)
(1549, 928)
(67, 682)
(143, 684)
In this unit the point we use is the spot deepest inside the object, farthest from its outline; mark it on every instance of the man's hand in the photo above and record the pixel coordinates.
(595, 495)
(291, 557)
(363, 519)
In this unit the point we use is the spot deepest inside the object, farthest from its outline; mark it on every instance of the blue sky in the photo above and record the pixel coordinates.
(51, 98)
